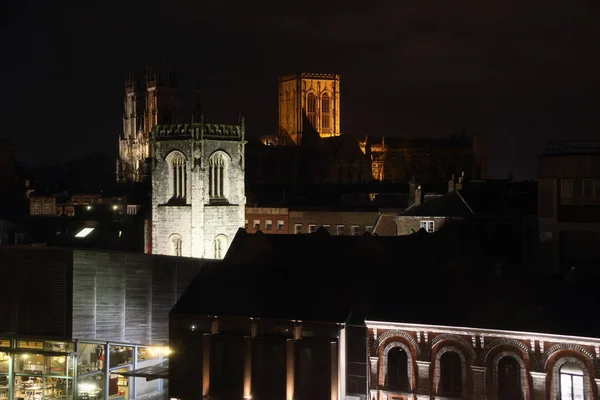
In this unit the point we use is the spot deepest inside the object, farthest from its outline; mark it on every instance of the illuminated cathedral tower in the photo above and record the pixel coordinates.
(160, 106)
(309, 101)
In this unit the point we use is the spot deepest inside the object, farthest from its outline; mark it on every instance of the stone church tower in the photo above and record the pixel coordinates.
(309, 99)
(160, 106)
(198, 193)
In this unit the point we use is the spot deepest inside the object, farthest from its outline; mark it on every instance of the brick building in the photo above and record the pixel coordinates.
(569, 206)
(340, 320)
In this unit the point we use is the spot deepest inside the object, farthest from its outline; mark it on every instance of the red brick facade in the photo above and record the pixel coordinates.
(539, 358)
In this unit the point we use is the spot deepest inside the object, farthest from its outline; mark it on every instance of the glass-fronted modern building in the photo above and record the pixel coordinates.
(86, 324)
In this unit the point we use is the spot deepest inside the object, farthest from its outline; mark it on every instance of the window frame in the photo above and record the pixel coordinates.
(424, 224)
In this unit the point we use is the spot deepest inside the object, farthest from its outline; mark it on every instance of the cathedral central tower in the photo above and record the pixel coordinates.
(309, 101)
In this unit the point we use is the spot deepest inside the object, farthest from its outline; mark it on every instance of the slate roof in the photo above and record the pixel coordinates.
(448, 205)
(420, 278)
(386, 225)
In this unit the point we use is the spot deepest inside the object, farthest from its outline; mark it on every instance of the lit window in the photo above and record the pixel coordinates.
(298, 229)
(340, 230)
(36, 209)
(571, 382)
(427, 225)
(268, 225)
(355, 230)
(256, 224)
(312, 228)
(311, 109)
(280, 225)
(325, 111)
(84, 232)
(217, 176)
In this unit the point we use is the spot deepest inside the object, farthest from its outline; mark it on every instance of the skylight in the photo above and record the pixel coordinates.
(84, 232)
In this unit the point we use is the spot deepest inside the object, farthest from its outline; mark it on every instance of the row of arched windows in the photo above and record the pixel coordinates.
(217, 176)
(508, 376)
(312, 110)
(219, 249)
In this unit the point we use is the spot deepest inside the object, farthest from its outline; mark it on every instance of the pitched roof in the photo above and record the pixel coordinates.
(420, 278)
(386, 225)
(448, 205)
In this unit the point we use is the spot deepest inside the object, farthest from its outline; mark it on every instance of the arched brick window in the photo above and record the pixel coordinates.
(571, 382)
(325, 111)
(397, 375)
(509, 379)
(450, 374)
(311, 109)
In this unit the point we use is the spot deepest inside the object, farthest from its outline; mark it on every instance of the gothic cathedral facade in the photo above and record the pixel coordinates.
(160, 106)
(309, 99)
(198, 191)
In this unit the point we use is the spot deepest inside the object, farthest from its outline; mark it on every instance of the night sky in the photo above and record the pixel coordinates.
(519, 72)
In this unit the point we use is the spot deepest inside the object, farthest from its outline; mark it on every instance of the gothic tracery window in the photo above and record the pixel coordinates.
(397, 375)
(509, 379)
(220, 246)
(325, 111)
(311, 109)
(450, 374)
(217, 176)
(178, 176)
(176, 246)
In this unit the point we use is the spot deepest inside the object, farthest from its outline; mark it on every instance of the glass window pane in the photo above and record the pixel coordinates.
(118, 386)
(57, 388)
(30, 364)
(28, 387)
(4, 362)
(91, 358)
(92, 386)
(565, 387)
(120, 355)
(578, 387)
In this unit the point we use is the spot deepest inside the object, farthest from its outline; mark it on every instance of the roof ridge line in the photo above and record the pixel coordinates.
(464, 201)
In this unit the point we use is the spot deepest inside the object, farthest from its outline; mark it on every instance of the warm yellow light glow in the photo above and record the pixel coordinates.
(115, 207)
(25, 356)
(84, 232)
(89, 207)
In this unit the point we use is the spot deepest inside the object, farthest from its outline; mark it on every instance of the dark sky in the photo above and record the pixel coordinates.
(520, 72)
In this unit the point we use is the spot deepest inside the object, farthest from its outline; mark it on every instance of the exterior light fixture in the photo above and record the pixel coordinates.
(89, 208)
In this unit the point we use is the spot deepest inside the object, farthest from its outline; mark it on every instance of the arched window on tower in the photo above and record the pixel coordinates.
(176, 245)
(397, 374)
(177, 176)
(325, 111)
(450, 374)
(311, 109)
(220, 246)
(571, 382)
(509, 379)
(217, 177)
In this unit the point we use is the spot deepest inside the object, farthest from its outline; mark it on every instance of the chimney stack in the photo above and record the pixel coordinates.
(418, 197)
(451, 184)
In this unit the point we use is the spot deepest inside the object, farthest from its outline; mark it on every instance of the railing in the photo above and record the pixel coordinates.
(198, 131)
